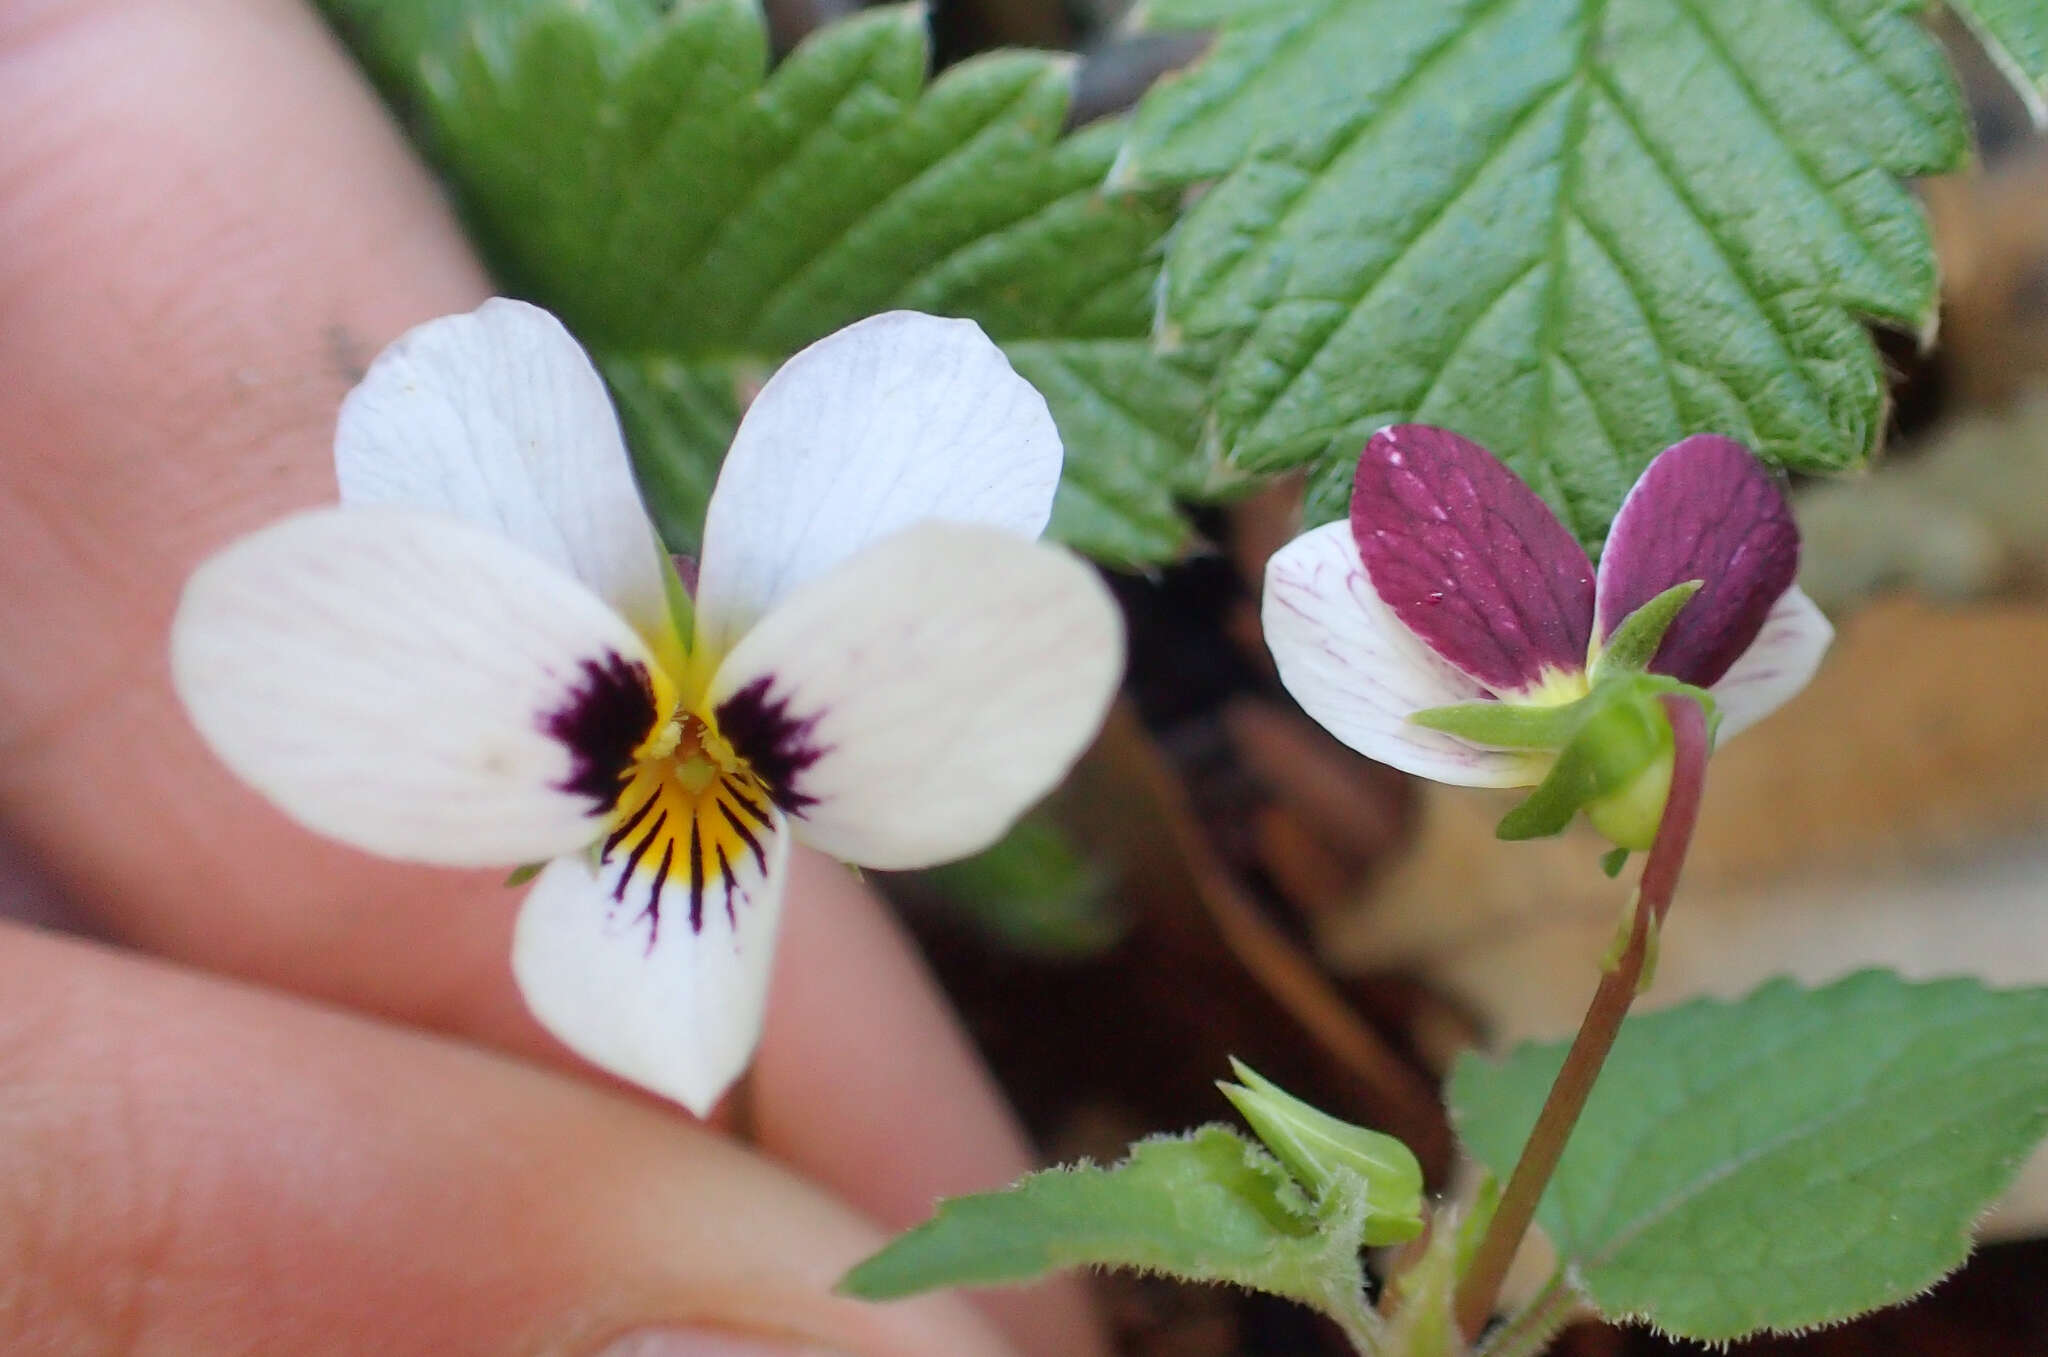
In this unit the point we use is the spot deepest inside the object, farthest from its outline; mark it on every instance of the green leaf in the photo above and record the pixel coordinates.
(1207, 1206)
(1574, 230)
(1788, 1160)
(2015, 33)
(1035, 892)
(679, 418)
(695, 220)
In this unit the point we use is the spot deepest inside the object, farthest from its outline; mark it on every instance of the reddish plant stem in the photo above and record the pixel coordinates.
(1480, 1287)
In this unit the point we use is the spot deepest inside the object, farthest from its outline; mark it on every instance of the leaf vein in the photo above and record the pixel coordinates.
(1347, 307)
(824, 257)
(1726, 253)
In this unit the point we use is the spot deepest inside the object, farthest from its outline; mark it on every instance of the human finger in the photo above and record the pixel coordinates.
(195, 1166)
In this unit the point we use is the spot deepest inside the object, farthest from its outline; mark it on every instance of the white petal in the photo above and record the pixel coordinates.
(390, 678)
(1780, 662)
(499, 418)
(1353, 667)
(908, 707)
(897, 418)
(637, 990)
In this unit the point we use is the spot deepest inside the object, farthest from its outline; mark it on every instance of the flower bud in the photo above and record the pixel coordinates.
(1320, 1151)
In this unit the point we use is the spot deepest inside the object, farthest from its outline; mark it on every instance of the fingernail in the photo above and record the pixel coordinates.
(708, 1343)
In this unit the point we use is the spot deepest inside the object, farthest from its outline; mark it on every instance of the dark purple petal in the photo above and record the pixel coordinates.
(1469, 558)
(1705, 509)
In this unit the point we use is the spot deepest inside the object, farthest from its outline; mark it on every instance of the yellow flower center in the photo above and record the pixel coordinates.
(694, 815)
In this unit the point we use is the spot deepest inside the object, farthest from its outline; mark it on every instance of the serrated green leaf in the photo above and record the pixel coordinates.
(638, 170)
(2015, 33)
(679, 418)
(1208, 1206)
(1788, 1160)
(1574, 230)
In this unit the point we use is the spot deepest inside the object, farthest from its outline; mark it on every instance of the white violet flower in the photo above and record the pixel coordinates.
(1452, 627)
(482, 658)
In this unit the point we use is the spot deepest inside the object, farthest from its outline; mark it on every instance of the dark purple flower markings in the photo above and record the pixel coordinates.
(607, 715)
(777, 746)
(1475, 563)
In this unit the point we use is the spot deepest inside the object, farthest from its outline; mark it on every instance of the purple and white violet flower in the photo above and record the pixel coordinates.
(483, 657)
(1454, 628)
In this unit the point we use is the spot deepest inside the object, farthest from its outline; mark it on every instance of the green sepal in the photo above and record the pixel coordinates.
(1622, 733)
(1507, 725)
(1612, 861)
(1617, 741)
(1634, 643)
(519, 876)
(1324, 1152)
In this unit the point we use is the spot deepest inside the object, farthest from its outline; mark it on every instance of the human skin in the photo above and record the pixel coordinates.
(287, 1100)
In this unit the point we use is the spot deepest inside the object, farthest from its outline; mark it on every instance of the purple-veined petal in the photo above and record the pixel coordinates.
(1471, 559)
(892, 420)
(1358, 671)
(907, 707)
(498, 417)
(1780, 662)
(648, 972)
(1705, 509)
(414, 686)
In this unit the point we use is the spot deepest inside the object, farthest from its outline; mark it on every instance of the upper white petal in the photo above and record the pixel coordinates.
(499, 418)
(1781, 661)
(1352, 666)
(944, 679)
(636, 990)
(894, 419)
(387, 676)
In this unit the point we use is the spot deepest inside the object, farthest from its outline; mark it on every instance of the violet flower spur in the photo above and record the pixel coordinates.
(1453, 627)
(483, 658)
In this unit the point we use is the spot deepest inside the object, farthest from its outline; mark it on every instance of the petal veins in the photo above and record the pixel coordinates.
(1470, 559)
(1705, 509)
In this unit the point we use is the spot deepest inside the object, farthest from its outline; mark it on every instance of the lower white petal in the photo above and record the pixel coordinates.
(652, 969)
(908, 706)
(1781, 661)
(1358, 671)
(414, 686)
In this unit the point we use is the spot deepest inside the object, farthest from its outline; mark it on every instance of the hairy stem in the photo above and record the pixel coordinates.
(1529, 1333)
(1361, 1325)
(1480, 1287)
